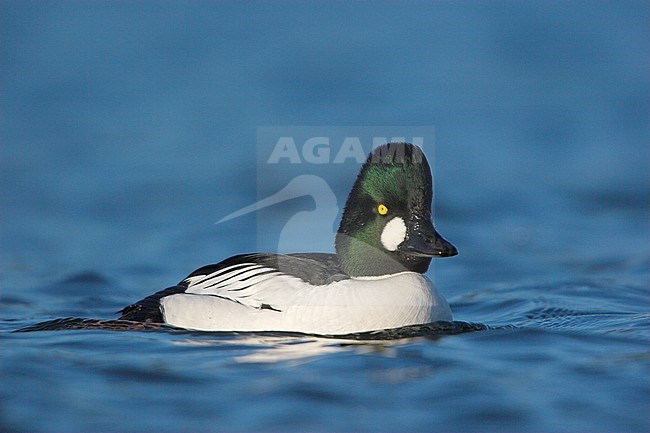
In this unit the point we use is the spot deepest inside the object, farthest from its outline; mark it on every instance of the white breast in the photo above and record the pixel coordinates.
(348, 306)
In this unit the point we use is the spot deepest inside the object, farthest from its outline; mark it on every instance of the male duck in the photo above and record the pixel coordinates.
(375, 280)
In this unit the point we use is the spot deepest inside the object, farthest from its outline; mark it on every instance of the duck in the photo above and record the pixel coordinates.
(375, 279)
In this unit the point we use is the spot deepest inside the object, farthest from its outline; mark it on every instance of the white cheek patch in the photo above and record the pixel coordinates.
(394, 234)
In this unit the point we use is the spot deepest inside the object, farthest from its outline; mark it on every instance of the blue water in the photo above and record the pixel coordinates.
(128, 129)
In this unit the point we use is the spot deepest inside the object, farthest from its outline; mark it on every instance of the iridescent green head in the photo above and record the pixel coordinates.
(386, 226)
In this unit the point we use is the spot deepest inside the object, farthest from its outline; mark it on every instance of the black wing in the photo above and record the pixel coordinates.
(314, 268)
(148, 309)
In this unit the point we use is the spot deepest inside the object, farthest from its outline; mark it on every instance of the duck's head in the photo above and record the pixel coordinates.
(386, 226)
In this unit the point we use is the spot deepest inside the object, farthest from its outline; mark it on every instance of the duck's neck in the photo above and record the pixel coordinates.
(358, 258)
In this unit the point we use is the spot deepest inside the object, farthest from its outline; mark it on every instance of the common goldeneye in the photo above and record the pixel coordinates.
(375, 280)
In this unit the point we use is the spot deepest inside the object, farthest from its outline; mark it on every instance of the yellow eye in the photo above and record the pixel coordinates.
(382, 209)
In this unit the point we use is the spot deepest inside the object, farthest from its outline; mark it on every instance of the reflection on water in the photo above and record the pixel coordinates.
(275, 349)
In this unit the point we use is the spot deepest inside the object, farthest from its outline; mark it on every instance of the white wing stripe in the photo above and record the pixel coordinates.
(238, 276)
(234, 277)
(224, 277)
(202, 279)
(241, 285)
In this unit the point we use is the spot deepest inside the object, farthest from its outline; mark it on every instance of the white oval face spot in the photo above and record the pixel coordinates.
(394, 234)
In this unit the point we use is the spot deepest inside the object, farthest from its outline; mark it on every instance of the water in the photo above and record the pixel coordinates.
(127, 130)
